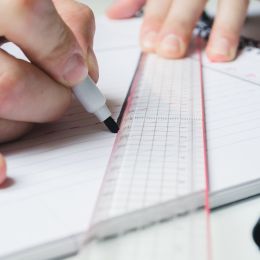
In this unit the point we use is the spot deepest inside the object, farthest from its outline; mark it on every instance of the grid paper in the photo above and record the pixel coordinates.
(158, 155)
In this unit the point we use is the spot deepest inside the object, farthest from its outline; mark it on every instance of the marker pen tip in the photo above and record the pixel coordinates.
(111, 125)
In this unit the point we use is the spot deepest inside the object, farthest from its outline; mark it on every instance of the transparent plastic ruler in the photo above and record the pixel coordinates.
(158, 166)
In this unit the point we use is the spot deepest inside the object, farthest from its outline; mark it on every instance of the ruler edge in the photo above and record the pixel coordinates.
(126, 100)
(120, 120)
(217, 199)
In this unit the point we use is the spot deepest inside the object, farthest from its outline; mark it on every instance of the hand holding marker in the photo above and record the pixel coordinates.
(94, 102)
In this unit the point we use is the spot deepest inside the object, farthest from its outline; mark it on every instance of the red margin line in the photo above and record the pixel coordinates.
(206, 168)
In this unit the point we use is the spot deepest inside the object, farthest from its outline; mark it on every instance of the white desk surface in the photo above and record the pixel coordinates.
(232, 225)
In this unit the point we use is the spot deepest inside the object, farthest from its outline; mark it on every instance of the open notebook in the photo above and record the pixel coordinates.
(56, 171)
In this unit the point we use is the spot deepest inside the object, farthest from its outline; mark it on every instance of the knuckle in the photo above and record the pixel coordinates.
(27, 5)
(60, 46)
(179, 27)
(152, 22)
(60, 111)
(182, 24)
(88, 15)
(245, 3)
(27, 11)
(10, 89)
(223, 30)
(87, 11)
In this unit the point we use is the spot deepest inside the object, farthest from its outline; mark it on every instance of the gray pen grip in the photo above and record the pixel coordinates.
(89, 95)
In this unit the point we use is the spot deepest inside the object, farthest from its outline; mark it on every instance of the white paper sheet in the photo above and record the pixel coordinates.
(232, 93)
(57, 175)
(56, 170)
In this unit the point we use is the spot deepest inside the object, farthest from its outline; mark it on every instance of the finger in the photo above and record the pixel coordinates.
(224, 38)
(92, 65)
(28, 94)
(125, 8)
(155, 13)
(177, 30)
(2, 169)
(11, 130)
(81, 21)
(36, 27)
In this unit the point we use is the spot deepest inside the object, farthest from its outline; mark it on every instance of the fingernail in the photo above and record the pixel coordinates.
(149, 40)
(171, 44)
(75, 70)
(221, 47)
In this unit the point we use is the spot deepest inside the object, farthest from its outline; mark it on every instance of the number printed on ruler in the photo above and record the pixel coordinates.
(158, 154)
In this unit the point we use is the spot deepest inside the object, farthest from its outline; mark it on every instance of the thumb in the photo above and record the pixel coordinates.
(125, 8)
(36, 27)
(81, 21)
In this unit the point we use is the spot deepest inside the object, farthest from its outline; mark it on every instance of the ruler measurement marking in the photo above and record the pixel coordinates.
(158, 154)
(143, 125)
(138, 149)
(167, 136)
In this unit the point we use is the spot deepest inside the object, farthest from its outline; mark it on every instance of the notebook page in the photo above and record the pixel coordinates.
(224, 167)
(122, 39)
(145, 159)
(55, 172)
(232, 92)
(232, 105)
